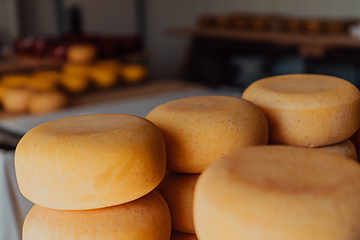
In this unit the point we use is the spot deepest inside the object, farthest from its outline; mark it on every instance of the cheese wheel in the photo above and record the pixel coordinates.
(182, 236)
(198, 130)
(345, 148)
(81, 53)
(144, 218)
(178, 191)
(44, 102)
(90, 161)
(15, 100)
(306, 109)
(278, 193)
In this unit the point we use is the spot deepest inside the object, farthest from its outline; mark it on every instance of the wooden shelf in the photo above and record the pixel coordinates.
(309, 45)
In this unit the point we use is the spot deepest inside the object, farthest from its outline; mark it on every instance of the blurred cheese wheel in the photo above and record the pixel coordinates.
(345, 148)
(90, 161)
(43, 102)
(50, 75)
(278, 193)
(76, 69)
(15, 100)
(307, 110)
(144, 218)
(178, 191)
(182, 236)
(133, 72)
(74, 83)
(14, 81)
(81, 53)
(42, 84)
(104, 77)
(198, 130)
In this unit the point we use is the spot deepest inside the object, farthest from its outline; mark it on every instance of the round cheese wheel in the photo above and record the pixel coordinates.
(90, 161)
(278, 193)
(306, 109)
(15, 100)
(145, 218)
(198, 130)
(182, 236)
(81, 53)
(345, 148)
(178, 191)
(43, 102)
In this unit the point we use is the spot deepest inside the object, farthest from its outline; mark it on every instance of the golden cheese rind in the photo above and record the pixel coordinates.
(198, 130)
(144, 218)
(306, 109)
(90, 161)
(178, 191)
(278, 193)
(345, 148)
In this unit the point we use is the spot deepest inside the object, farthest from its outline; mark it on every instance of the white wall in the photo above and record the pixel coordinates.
(163, 14)
(106, 16)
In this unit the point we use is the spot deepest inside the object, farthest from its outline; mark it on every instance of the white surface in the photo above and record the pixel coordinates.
(140, 106)
(13, 206)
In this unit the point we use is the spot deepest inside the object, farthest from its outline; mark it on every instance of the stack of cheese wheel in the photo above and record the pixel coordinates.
(309, 110)
(197, 131)
(93, 177)
(279, 193)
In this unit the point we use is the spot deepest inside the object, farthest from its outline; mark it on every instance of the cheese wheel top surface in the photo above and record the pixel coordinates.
(302, 92)
(90, 161)
(278, 192)
(145, 218)
(198, 130)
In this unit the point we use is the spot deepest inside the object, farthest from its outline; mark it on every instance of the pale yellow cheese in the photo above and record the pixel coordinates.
(178, 191)
(144, 218)
(198, 130)
(307, 110)
(90, 161)
(278, 193)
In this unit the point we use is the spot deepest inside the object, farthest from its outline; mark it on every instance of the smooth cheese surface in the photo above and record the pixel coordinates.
(90, 161)
(198, 130)
(345, 148)
(178, 191)
(307, 109)
(278, 193)
(144, 218)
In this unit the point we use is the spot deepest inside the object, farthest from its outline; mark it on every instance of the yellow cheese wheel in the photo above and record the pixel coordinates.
(81, 53)
(178, 191)
(44, 102)
(144, 218)
(306, 109)
(345, 148)
(182, 236)
(198, 130)
(90, 161)
(15, 100)
(278, 193)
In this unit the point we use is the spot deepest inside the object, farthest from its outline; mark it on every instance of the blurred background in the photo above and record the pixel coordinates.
(174, 54)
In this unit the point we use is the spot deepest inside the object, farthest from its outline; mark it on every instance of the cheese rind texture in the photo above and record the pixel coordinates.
(90, 161)
(278, 193)
(345, 148)
(145, 218)
(198, 130)
(307, 109)
(178, 191)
